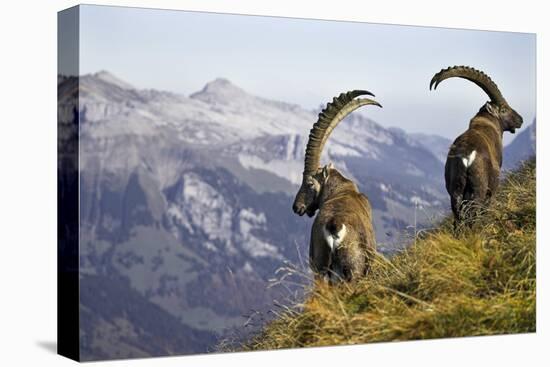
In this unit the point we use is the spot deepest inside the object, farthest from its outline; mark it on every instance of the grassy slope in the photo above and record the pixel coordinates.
(478, 281)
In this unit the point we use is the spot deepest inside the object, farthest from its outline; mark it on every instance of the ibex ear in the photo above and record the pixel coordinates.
(325, 171)
(492, 109)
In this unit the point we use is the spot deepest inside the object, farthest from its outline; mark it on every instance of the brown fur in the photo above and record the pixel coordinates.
(477, 183)
(340, 203)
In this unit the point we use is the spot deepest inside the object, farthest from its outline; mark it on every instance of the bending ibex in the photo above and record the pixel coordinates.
(474, 159)
(342, 237)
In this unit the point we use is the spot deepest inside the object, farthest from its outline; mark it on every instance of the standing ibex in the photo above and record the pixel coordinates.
(474, 159)
(342, 238)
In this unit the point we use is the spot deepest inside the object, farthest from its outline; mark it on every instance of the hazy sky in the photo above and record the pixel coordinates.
(307, 62)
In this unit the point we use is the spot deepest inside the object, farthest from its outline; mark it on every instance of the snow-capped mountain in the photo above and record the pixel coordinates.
(186, 205)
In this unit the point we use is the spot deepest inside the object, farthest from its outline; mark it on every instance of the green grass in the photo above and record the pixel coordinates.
(477, 280)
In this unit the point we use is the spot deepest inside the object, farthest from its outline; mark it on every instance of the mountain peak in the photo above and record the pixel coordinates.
(219, 90)
(219, 83)
(108, 77)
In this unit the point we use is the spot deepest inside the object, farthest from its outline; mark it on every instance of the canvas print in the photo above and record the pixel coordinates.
(233, 182)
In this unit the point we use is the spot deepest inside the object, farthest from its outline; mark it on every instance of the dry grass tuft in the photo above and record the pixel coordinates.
(477, 280)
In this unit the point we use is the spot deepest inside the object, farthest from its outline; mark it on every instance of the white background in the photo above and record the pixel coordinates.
(28, 182)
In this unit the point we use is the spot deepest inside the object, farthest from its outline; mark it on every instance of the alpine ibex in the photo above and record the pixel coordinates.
(342, 237)
(474, 159)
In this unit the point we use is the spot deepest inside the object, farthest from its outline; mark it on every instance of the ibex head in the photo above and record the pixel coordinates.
(497, 107)
(509, 119)
(307, 198)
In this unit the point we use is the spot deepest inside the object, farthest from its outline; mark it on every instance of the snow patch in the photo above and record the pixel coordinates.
(248, 222)
(200, 205)
(417, 200)
(247, 268)
(343, 151)
(384, 188)
(289, 170)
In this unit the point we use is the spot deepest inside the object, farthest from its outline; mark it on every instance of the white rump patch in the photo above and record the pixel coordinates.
(333, 241)
(469, 160)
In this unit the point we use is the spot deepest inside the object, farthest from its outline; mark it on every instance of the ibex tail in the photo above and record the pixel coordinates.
(334, 231)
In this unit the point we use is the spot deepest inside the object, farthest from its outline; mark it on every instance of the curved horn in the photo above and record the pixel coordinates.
(481, 79)
(329, 118)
